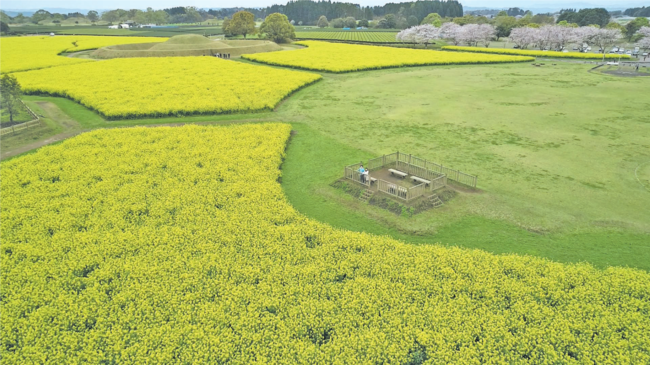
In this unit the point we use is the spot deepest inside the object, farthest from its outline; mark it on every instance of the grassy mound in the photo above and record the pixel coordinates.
(30, 53)
(187, 45)
(189, 39)
(176, 245)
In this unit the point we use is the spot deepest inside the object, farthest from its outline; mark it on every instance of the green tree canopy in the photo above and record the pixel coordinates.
(225, 26)
(10, 93)
(93, 16)
(277, 28)
(322, 22)
(434, 19)
(337, 23)
(350, 22)
(242, 23)
(504, 25)
(632, 27)
(390, 21)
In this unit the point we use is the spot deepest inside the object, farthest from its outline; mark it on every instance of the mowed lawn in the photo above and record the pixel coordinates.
(555, 149)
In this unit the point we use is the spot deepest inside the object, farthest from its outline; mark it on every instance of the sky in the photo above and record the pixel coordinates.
(159, 4)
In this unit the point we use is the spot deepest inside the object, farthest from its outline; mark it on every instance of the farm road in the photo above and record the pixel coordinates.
(38, 144)
(52, 112)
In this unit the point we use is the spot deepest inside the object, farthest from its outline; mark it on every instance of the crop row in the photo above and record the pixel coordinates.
(369, 37)
(29, 53)
(156, 87)
(177, 245)
(337, 57)
(533, 53)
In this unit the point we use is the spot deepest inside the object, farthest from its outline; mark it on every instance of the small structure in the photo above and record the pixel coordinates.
(405, 176)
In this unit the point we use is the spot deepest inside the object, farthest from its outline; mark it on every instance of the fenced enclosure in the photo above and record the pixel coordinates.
(18, 127)
(415, 166)
(352, 173)
(419, 169)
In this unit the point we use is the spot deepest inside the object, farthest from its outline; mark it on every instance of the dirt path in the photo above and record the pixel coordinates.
(72, 128)
(50, 111)
(35, 145)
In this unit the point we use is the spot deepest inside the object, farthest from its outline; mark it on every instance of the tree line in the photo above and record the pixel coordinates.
(305, 12)
(638, 12)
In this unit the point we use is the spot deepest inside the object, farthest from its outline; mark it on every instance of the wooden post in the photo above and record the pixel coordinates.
(409, 168)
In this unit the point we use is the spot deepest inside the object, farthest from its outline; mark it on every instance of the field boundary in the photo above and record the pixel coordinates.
(522, 59)
(637, 176)
(532, 53)
(184, 114)
(350, 42)
(18, 127)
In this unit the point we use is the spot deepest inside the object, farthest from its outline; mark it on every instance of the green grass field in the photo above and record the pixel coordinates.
(353, 36)
(22, 115)
(562, 155)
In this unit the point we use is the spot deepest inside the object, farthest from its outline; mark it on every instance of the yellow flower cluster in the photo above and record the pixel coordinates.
(337, 57)
(533, 53)
(29, 53)
(177, 245)
(140, 87)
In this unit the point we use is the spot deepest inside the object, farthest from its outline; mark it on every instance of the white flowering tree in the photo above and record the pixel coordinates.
(421, 34)
(582, 36)
(644, 43)
(523, 37)
(406, 36)
(470, 34)
(605, 38)
(561, 36)
(451, 31)
(487, 33)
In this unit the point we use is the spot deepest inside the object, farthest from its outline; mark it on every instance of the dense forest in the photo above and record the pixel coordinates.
(308, 11)
(585, 17)
(638, 12)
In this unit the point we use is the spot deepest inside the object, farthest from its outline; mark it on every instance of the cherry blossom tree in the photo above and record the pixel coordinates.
(523, 37)
(451, 31)
(644, 43)
(605, 38)
(487, 34)
(560, 36)
(582, 36)
(407, 35)
(644, 31)
(470, 34)
(421, 34)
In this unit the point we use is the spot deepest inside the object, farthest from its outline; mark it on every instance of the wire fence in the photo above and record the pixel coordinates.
(18, 127)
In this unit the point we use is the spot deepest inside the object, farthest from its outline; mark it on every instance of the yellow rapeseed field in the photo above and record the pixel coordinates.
(29, 53)
(337, 57)
(176, 245)
(139, 87)
(534, 53)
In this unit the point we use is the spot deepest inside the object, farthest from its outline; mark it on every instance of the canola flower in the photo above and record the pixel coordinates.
(338, 58)
(29, 53)
(143, 87)
(176, 245)
(534, 53)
